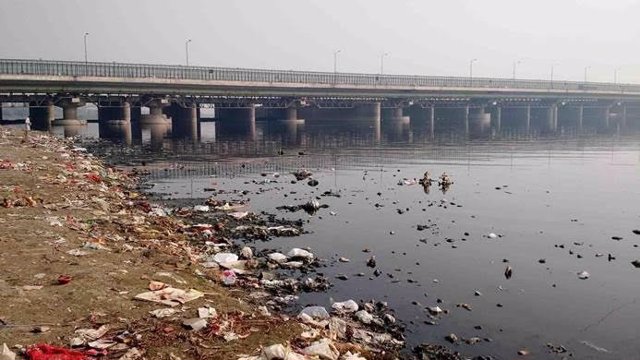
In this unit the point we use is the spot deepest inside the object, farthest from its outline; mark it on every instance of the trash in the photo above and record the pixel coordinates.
(315, 312)
(348, 306)
(435, 310)
(583, 275)
(170, 296)
(162, 313)
(636, 263)
(492, 236)
(229, 277)
(196, 324)
(324, 349)
(313, 182)
(508, 272)
(132, 354)
(201, 208)
(84, 336)
(157, 285)
(101, 344)
(351, 356)
(452, 338)
(523, 352)
(246, 253)
(6, 354)
(344, 259)
(302, 174)
(49, 352)
(207, 312)
(277, 352)
(372, 261)
(364, 317)
(77, 252)
(64, 279)
(277, 257)
(239, 214)
(297, 253)
(221, 258)
(32, 287)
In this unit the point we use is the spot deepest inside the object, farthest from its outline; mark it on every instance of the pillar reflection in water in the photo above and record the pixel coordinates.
(236, 123)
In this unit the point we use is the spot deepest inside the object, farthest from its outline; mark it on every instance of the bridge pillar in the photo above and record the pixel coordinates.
(291, 113)
(552, 118)
(239, 121)
(368, 110)
(466, 120)
(623, 120)
(607, 116)
(184, 121)
(70, 112)
(497, 116)
(0, 111)
(117, 112)
(42, 116)
(527, 118)
(156, 116)
(580, 119)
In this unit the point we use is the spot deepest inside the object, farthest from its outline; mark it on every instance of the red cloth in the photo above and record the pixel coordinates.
(49, 352)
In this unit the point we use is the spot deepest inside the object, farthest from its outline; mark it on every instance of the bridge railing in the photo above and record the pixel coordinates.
(123, 70)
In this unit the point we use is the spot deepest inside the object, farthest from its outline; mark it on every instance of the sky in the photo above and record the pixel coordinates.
(422, 37)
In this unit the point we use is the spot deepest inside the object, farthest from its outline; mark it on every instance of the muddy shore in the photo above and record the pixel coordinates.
(92, 266)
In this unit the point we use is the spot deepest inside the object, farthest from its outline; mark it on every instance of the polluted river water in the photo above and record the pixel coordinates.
(558, 211)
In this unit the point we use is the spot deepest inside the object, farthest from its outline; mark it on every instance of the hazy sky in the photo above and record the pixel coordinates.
(432, 37)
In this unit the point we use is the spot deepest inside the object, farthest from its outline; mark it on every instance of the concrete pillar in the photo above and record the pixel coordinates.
(184, 122)
(136, 113)
(392, 113)
(42, 116)
(552, 114)
(291, 113)
(623, 119)
(237, 121)
(497, 118)
(70, 113)
(368, 110)
(607, 116)
(432, 121)
(0, 111)
(527, 118)
(156, 116)
(580, 117)
(466, 120)
(114, 112)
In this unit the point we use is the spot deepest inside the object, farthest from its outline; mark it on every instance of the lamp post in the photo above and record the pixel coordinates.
(586, 69)
(86, 57)
(186, 49)
(382, 62)
(471, 62)
(515, 66)
(615, 75)
(335, 60)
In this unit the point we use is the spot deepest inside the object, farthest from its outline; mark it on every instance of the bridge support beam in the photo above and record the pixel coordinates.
(156, 116)
(184, 121)
(580, 119)
(70, 112)
(552, 118)
(496, 118)
(368, 110)
(239, 121)
(42, 116)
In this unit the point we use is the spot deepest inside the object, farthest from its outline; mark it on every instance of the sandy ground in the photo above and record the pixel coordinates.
(54, 200)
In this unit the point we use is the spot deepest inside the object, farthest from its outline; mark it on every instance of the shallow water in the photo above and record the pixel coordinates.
(562, 189)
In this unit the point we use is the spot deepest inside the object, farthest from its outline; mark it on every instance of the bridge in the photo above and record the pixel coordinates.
(175, 94)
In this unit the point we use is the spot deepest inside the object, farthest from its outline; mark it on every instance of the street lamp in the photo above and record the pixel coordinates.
(515, 65)
(615, 75)
(471, 68)
(586, 69)
(86, 58)
(186, 49)
(335, 60)
(382, 62)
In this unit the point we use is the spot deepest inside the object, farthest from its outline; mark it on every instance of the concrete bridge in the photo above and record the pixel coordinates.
(175, 94)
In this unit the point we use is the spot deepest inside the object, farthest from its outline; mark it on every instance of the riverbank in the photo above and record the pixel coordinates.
(88, 261)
